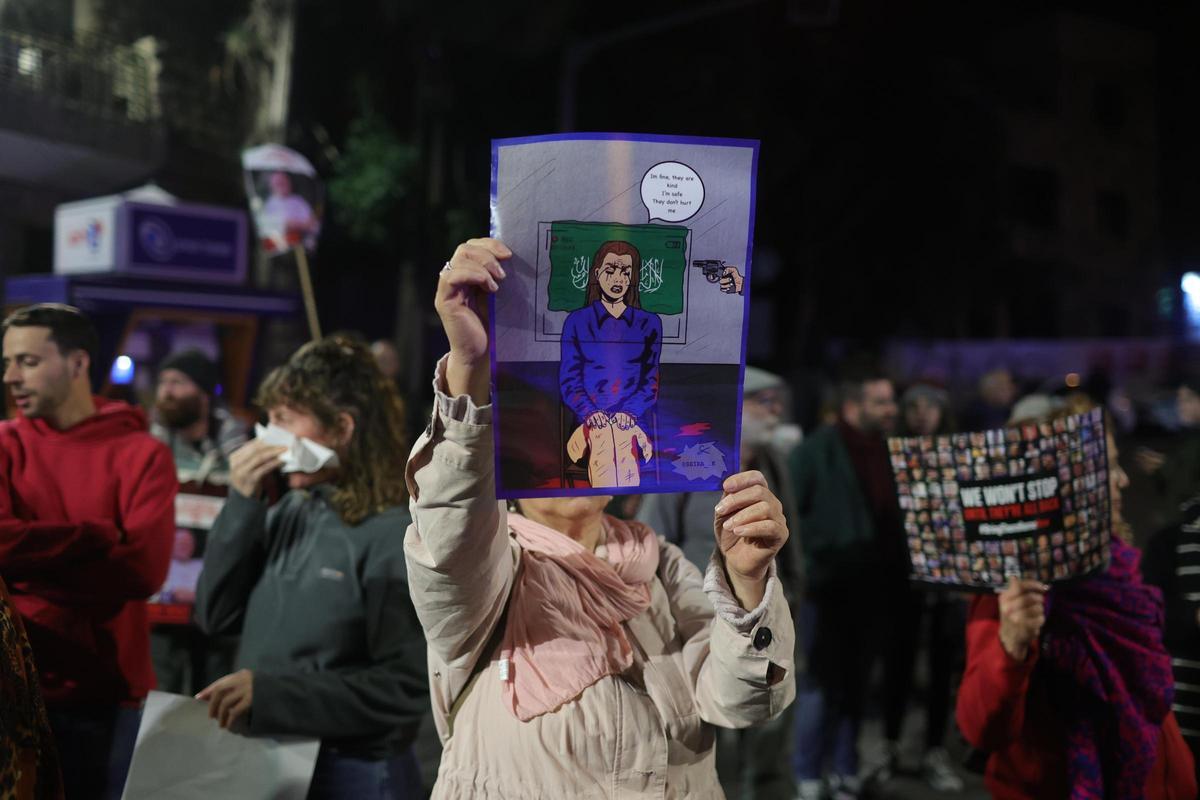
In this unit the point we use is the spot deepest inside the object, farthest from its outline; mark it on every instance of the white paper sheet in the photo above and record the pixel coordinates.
(181, 754)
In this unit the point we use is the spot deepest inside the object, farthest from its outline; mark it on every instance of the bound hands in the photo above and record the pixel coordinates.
(750, 530)
(621, 419)
(472, 273)
(1022, 615)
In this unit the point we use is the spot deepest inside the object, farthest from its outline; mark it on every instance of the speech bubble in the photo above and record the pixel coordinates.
(672, 192)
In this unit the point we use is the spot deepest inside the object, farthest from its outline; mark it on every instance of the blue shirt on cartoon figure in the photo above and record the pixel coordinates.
(610, 348)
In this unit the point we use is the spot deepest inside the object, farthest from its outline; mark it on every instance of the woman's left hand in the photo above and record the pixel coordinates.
(230, 697)
(750, 529)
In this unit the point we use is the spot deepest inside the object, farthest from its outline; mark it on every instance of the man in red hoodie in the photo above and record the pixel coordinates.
(87, 520)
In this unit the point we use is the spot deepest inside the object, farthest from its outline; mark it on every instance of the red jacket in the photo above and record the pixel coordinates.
(1004, 709)
(87, 521)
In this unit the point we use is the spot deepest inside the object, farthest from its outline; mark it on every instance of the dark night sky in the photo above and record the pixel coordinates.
(881, 179)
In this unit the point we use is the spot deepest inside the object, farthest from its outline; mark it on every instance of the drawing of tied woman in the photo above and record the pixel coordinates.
(608, 370)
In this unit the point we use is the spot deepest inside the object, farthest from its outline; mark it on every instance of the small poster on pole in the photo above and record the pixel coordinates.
(286, 198)
(287, 201)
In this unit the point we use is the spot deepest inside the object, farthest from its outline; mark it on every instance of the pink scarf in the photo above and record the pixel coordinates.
(564, 630)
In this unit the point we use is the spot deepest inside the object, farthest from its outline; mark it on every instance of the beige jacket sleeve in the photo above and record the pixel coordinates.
(740, 662)
(461, 561)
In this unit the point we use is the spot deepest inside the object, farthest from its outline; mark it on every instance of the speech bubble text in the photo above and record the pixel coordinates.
(672, 192)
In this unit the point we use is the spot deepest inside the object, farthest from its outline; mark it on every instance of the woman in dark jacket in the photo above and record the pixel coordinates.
(331, 647)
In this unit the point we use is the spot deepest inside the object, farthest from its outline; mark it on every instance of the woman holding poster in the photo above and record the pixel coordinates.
(573, 654)
(1070, 687)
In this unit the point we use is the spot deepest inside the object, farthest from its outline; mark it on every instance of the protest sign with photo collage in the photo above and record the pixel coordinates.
(1030, 501)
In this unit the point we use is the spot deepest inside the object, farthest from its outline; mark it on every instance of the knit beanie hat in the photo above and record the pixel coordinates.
(197, 366)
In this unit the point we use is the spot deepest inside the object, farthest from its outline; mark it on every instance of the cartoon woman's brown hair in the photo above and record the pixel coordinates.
(617, 248)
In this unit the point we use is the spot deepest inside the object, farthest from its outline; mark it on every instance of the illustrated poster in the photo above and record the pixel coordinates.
(1030, 501)
(619, 337)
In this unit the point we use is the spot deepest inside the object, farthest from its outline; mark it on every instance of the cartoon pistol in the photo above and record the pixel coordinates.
(713, 269)
(716, 270)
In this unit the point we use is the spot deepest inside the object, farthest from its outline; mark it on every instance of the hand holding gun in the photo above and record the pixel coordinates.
(716, 270)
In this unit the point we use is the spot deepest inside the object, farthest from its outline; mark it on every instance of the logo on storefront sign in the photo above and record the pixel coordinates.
(157, 239)
(91, 235)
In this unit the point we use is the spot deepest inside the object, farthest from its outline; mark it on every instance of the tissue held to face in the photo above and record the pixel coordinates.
(302, 424)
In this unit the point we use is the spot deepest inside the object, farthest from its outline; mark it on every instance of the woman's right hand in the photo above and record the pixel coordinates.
(1022, 615)
(252, 462)
(472, 272)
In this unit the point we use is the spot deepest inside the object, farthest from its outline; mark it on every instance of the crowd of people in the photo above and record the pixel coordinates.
(435, 639)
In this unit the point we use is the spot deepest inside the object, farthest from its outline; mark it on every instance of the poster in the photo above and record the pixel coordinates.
(286, 198)
(196, 508)
(1030, 501)
(619, 336)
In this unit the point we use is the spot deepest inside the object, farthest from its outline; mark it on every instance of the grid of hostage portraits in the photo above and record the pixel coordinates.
(1030, 501)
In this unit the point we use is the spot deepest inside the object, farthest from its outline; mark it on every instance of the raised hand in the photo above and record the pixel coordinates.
(471, 274)
(750, 529)
(1022, 615)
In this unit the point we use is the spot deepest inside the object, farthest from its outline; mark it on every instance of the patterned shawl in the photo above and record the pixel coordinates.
(28, 759)
(1103, 644)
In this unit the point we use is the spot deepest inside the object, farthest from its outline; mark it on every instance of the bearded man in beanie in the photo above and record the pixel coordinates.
(201, 432)
(189, 419)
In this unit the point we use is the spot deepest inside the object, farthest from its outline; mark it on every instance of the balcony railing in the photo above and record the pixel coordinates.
(114, 82)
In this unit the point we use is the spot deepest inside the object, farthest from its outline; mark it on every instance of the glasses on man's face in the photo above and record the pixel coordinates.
(767, 399)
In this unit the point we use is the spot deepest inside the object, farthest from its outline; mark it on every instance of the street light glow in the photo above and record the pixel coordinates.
(122, 370)
(1190, 283)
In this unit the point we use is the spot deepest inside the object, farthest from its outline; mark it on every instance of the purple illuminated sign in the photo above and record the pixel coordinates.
(185, 242)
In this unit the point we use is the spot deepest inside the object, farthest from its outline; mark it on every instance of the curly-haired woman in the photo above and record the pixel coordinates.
(331, 647)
